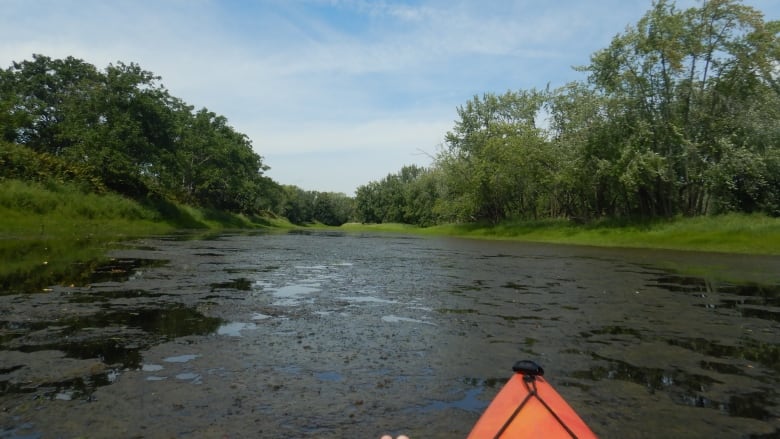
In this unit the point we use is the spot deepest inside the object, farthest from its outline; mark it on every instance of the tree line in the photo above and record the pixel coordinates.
(120, 130)
(679, 115)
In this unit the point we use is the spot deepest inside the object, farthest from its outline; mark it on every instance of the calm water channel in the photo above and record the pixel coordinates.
(356, 335)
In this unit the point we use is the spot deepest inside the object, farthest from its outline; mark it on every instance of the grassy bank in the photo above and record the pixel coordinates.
(733, 233)
(33, 210)
(52, 232)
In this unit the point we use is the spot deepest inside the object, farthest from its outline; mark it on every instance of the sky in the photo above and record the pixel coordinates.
(332, 93)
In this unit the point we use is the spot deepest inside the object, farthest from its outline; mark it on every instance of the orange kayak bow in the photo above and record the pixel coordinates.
(529, 407)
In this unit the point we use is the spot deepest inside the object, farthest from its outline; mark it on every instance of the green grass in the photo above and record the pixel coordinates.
(33, 210)
(51, 232)
(733, 233)
(386, 227)
(61, 212)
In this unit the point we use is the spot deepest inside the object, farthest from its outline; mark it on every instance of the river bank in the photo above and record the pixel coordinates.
(732, 233)
(55, 233)
(33, 210)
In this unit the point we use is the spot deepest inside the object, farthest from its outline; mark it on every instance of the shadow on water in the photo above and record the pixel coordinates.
(683, 388)
(751, 300)
(64, 390)
(241, 284)
(653, 379)
(119, 270)
(31, 266)
(91, 336)
(107, 296)
(318, 233)
(731, 295)
(725, 356)
(115, 338)
(766, 354)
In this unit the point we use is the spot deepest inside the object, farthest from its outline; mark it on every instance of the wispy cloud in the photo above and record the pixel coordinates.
(375, 135)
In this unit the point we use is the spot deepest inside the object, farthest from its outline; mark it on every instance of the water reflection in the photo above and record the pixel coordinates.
(109, 335)
(766, 354)
(684, 388)
(34, 266)
(749, 299)
(241, 284)
(737, 352)
(653, 379)
(97, 296)
(233, 329)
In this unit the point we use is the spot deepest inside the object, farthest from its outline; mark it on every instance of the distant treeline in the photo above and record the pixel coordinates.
(120, 130)
(680, 115)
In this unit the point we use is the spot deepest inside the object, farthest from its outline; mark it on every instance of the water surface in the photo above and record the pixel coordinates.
(355, 335)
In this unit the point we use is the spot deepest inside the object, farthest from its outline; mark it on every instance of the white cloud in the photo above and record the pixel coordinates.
(370, 136)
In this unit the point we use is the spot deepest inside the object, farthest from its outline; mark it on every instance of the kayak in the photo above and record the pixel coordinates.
(529, 407)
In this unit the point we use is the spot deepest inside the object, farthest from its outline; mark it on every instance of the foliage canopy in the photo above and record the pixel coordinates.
(679, 115)
(120, 129)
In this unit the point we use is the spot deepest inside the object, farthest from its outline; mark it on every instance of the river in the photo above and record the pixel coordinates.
(325, 334)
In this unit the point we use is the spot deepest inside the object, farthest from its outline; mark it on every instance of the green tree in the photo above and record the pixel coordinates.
(496, 162)
(332, 209)
(124, 125)
(298, 205)
(305, 207)
(212, 164)
(408, 196)
(678, 85)
(35, 97)
(121, 126)
(421, 193)
(368, 206)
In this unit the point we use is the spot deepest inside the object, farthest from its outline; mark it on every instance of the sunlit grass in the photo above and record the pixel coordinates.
(733, 233)
(32, 210)
(51, 231)
(386, 227)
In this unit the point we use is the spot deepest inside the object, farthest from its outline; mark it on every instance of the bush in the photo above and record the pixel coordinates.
(69, 201)
(22, 163)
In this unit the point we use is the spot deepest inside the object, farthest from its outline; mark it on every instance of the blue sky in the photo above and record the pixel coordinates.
(333, 93)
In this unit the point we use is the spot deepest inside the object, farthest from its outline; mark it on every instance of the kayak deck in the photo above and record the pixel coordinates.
(529, 407)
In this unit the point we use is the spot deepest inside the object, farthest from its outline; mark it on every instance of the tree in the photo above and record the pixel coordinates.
(332, 209)
(496, 159)
(35, 97)
(305, 207)
(368, 207)
(678, 85)
(408, 196)
(122, 124)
